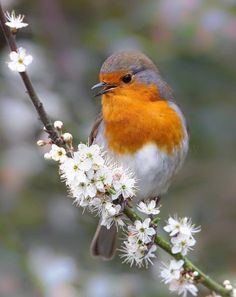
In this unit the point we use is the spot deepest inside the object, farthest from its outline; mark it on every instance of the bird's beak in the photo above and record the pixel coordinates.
(104, 88)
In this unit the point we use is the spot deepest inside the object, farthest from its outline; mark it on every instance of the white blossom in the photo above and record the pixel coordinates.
(172, 271)
(15, 22)
(110, 214)
(181, 225)
(80, 191)
(137, 253)
(91, 190)
(179, 281)
(181, 231)
(130, 253)
(90, 157)
(142, 230)
(182, 244)
(47, 156)
(57, 153)
(123, 184)
(150, 255)
(103, 178)
(19, 60)
(149, 208)
(138, 248)
(71, 173)
(183, 286)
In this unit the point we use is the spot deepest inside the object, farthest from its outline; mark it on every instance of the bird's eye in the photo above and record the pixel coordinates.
(127, 78)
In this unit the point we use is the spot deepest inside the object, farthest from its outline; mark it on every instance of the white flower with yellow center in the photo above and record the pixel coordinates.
(58, 153)
(123, 184)
(149, 208)
(19, 60)
(181, 226)
(182, 244)
(142, 230)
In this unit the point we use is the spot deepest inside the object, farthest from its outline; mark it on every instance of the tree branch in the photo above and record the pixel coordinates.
(163, 244)
(204, 279)
(53, 134)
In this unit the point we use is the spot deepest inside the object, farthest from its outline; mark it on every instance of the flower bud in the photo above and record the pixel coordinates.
(228, 287)
(47, 156)
(58, 125)
(41, 142)
(195, 273)
(226, 282)
(67, 137)
(188, 276)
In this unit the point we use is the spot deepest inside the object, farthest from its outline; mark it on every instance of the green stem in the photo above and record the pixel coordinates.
(162, 243)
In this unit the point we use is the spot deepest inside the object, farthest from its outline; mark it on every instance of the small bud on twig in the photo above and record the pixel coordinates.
(67, 137)
(41, 142)
(58, 125)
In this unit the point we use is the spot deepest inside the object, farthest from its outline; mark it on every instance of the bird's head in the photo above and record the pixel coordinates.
(130, 71)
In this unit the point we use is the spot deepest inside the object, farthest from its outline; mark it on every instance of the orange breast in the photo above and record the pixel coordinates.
(137, 116)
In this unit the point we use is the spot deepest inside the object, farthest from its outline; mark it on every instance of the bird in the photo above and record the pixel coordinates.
(141, 127)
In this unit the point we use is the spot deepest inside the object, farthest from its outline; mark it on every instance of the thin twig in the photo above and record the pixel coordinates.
(53, 134)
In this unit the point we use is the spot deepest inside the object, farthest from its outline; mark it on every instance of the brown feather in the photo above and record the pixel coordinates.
(94, 130)
(104, 241)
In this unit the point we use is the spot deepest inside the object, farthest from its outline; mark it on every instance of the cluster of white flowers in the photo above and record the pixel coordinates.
(139, 247)
(93, 182)
(178, 279)
(181, 231)
(19, 59)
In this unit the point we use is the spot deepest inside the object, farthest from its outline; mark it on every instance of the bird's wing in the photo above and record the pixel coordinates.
(94, 130)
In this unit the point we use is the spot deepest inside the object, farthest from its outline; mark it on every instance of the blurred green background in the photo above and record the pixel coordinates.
(44, 249)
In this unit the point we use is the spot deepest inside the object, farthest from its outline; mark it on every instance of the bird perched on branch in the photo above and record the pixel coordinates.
(141, 127)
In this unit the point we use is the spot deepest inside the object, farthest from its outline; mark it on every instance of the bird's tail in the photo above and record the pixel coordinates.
(104, 242)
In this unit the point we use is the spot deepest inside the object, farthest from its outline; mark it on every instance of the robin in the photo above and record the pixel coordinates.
(140, 127)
